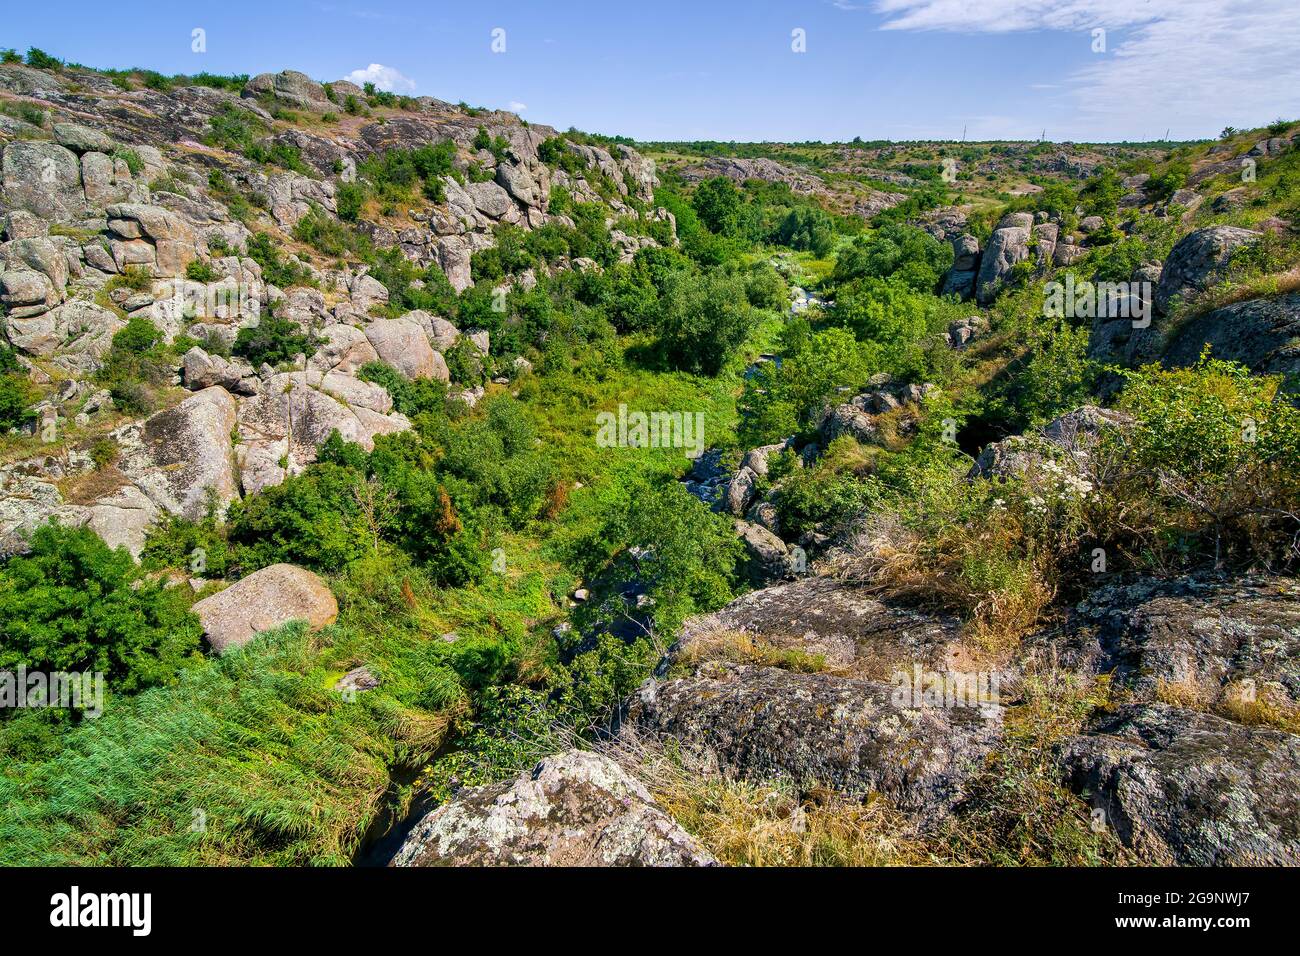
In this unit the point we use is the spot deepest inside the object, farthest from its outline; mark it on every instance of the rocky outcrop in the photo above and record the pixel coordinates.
(182, 458)
(818, 730)
(151, 237)
(265, 599)
(404, 345)
(296, 412)
(1188, 788)
(43, 178)
(575, 808)
(1262, 334)
(289, 86)
(803, 682)
(841, 623)
(1197, 261)
(200, 370)
(1007, 246)
(767, 557)
(961, 277)
(1208, 639)
(75, 336)
(1068, 440)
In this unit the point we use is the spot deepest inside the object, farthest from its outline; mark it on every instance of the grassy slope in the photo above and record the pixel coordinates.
(282, 769)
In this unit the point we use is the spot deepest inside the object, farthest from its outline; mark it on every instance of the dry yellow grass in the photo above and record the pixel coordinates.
(753, 824)
(739, 647)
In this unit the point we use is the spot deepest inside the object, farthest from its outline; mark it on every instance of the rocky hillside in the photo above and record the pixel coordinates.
(134, 203)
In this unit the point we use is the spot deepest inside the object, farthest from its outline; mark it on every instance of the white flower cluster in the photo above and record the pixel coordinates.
(1065, 487)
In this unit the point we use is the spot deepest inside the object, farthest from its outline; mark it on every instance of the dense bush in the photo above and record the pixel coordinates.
(703, 320)
(276, 269)
(16, 392)
(273, 341)
(718, 203)
(902, 253)
(74, 604)
(807, 228)
(396, 174)
(1216, 453)
(779, 400)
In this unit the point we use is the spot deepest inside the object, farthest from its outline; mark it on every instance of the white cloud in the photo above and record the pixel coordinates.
(1192, 65)
(515, 106)
(384, 77)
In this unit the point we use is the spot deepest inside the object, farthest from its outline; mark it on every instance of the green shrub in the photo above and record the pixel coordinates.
(273, 341)
(349, 198)
(42, 60)
(16, 397)
(765, 289)
(309, 519)
(1217, 450)
(656, 533)
(703, 321)
(718, 203)
(276, 269)
(901, 253)
(137, 337)
(807, 228)
(135, 278)
(412, 397)
(198, 271)
(74, 604)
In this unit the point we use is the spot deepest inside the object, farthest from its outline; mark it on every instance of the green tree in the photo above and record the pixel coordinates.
(703, 320)
(718, 204)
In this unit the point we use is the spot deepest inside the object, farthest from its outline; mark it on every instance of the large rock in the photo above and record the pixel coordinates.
(842, 623)
(42, 178)
(1008, 245)
(171, 236)
(574, 809)
(292, 87)
(344, 348)
(367, 292)
(1263, 334)
(41, 254)
(1069, 440)
(767, 557)
(265, 599)
(818, 730)
(1183, 787)
(1198, 261)
(848, 419)
(77, 335)
(405, 346)
(200, 370)
(26, 293)
(123, 518)
(296, 412)
(522, 184)
(182, 457)
(82, 139)
(739, 492)
(1210, 637)
(489, 198)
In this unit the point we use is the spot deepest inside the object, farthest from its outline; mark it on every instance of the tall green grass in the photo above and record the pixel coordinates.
(252, 758)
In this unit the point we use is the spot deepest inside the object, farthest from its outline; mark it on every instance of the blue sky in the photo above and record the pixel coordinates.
(721, 69)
